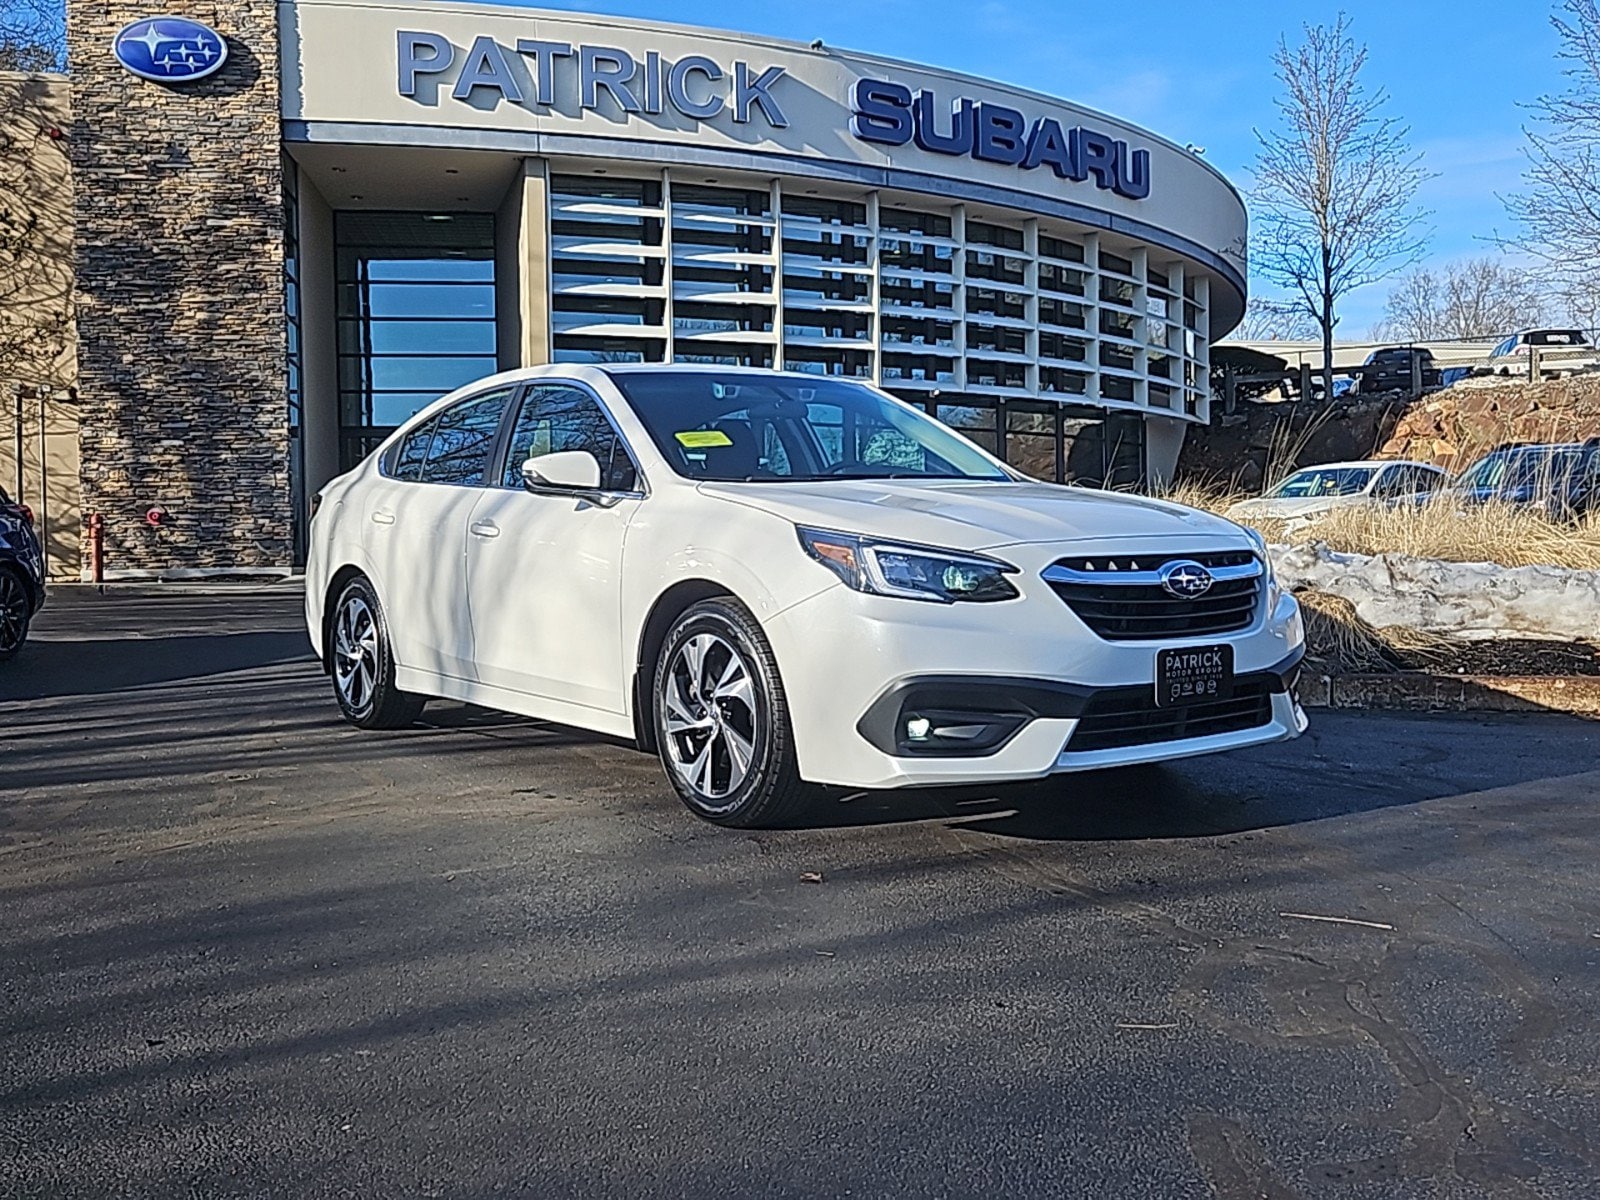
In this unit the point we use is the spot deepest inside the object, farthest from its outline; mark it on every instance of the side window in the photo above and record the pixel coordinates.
(463, 440)
(1425, 481)
(1391, 483)
(412, 452)
(555, 418)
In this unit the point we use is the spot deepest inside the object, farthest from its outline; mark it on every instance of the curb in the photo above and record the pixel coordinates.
(152, 589)
(1578, 695)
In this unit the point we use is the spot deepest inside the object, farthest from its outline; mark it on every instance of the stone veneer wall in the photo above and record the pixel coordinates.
(181, 326)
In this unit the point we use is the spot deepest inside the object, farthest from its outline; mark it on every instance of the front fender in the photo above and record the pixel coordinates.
(756, 558)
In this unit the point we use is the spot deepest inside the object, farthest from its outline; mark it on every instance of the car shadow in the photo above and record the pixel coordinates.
(51, 669)
(1115, 804)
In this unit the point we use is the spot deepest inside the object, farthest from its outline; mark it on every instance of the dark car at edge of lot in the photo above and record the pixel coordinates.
(1390, 369)
(21, 574)
(1561, 479)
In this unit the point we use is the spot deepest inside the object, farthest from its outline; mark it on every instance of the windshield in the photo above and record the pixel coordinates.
(782, 428)
(1518, 470)
(1324, 481)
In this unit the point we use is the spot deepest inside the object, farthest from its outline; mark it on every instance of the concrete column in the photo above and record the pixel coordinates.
(522, 269)
(319, 345)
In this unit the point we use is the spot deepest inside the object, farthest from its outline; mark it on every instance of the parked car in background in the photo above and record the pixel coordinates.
(1561, 479)
(1313, 492)
(778, 580)
(1561, 351)
(1390, 370)
(21, 574)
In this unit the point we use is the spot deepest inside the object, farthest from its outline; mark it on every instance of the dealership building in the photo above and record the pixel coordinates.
(296, 224)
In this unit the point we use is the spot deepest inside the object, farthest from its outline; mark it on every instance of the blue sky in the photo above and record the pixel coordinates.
(1201, 73)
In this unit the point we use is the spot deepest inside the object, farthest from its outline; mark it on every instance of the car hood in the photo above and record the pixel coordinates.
(1287, 507)
(963, 514)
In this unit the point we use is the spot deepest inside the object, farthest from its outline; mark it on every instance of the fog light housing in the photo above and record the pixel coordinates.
(957, 732)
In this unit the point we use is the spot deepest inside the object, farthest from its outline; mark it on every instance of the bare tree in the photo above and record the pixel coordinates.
(1268, 320)
(1558, 211)
(1411, 312)
(33, 35)
(1485, 299)
(1336, 185)
(1476, 298)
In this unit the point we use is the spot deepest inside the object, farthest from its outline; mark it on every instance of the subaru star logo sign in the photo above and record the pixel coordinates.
(170, 49)
(1185, 579)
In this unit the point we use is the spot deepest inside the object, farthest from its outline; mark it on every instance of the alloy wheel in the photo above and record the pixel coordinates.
(13, 612)
(712, 716)
(355, 648)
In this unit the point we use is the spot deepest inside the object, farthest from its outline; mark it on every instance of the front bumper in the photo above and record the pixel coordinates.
(1017, 679)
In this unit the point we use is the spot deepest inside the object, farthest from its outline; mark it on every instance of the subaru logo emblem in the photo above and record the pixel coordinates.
(170, 49)
(1185, 579)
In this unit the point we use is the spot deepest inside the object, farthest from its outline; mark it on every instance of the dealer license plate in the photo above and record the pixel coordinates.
(1193, 675)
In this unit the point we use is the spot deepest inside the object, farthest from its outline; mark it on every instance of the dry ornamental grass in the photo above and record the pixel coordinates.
(1510, 535)
(1496, 533)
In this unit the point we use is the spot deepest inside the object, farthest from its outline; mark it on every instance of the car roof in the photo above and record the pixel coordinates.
(1364, 462)
(1540, 448)
(545, 370)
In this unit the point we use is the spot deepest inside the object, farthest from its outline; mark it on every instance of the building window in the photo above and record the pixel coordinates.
(416, 316)
(294, 362)
(1102, 449)
(961, 314)
(827, 278)
(1033, 440)
(723, 265)
(974, 417)
(608, 269)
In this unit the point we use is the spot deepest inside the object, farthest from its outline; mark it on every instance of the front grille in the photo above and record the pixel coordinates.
(1121, 598)
(1119, 717)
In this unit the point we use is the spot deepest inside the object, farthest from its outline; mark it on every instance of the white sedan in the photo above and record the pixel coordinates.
(1314, 492)
(778, 581)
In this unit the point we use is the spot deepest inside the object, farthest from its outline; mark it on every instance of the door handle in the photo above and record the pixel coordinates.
(382, 516)
(485, 529)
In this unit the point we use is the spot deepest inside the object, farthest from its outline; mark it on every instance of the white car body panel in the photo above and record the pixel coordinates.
(562, 643)
(547, 618)
(1299, 508)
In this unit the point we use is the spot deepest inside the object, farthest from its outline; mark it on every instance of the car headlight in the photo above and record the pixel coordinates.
(910, 572)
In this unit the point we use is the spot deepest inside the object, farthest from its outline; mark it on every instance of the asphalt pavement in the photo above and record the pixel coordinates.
(248, 950)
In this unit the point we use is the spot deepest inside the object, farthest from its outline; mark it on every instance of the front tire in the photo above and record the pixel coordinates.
(16, 612)
(363, 664)
(722, 720)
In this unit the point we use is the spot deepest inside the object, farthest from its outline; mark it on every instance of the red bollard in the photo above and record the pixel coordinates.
(97, 548)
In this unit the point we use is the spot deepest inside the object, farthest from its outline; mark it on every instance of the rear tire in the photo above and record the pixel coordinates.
(722, 720)
(363, 665)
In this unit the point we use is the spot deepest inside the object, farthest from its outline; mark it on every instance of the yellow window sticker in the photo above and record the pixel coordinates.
(699, 439)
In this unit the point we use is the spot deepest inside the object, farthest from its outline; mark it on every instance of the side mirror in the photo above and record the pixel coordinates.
(563, 471)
